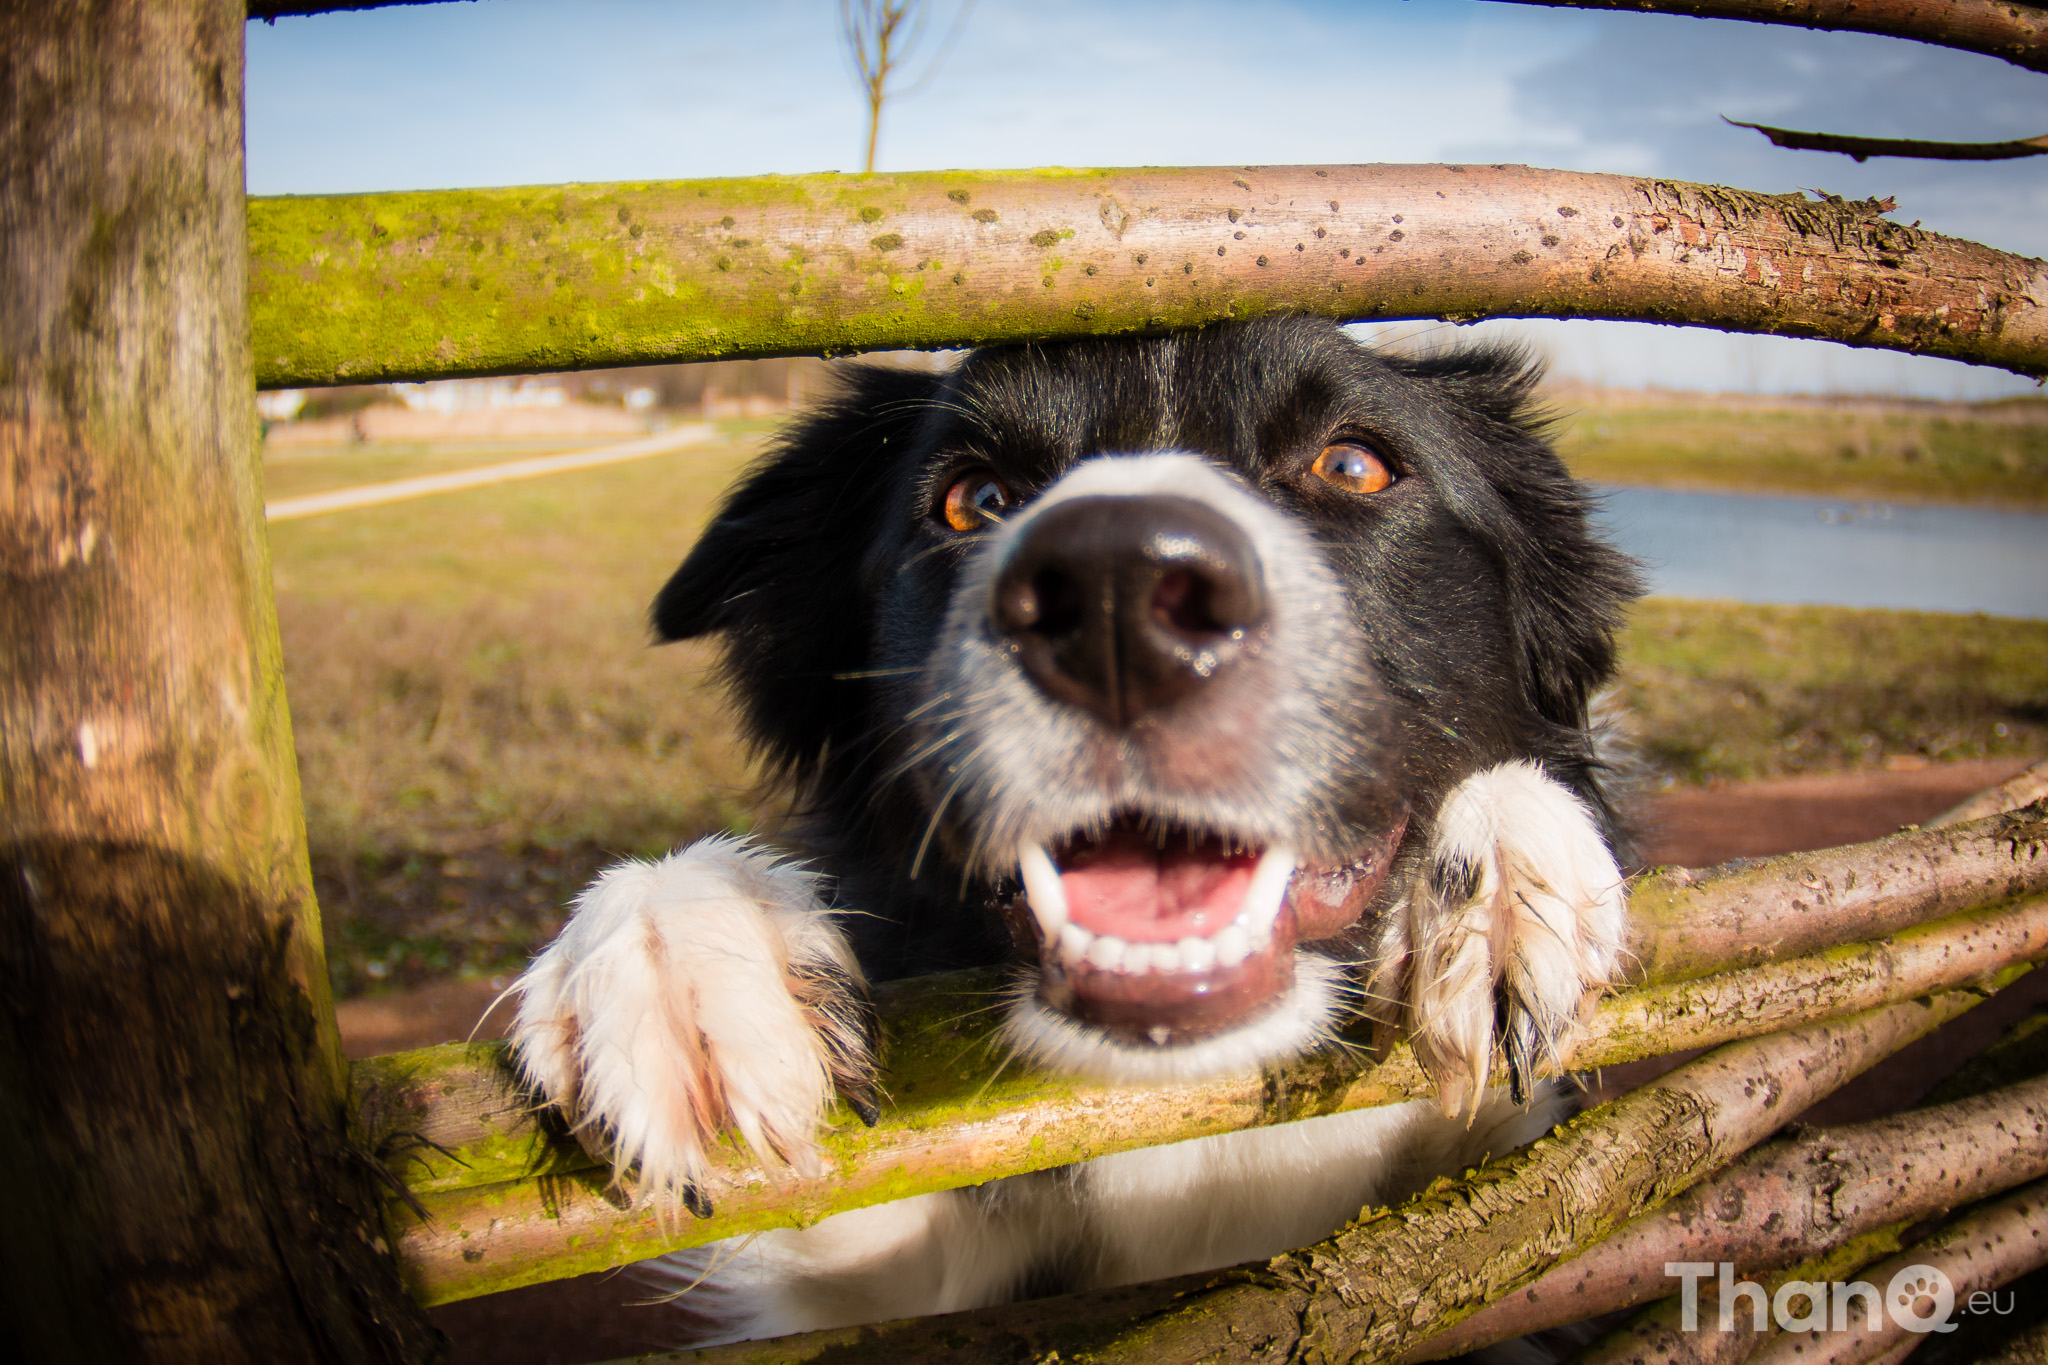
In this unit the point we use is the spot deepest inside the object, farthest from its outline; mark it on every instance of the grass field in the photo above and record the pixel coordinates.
(1924, 452)
(480, 722)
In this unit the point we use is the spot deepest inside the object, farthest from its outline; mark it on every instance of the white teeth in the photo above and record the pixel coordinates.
(1252, 930)
(1268, 890)
(1042, 888)
(1107, 952)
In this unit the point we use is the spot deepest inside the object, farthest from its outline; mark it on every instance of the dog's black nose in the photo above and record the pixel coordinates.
(1124, 605)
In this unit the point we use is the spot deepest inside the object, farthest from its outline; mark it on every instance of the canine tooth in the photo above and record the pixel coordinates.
(1042, 888)
(1074, 943)
(1107, 952)
(1268, 890)
(1197, 954)
(1233, 945)
(1165, 958)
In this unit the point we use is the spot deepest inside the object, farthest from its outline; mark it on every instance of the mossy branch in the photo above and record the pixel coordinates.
(1395, 1277)
(363, 288)
(512, 1202)
(1980, 1250)
(1788, 1202)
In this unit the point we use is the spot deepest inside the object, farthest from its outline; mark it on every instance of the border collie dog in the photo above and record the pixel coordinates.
(1232, 683)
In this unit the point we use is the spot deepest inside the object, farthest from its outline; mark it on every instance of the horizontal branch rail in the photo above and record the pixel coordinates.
(510, 1200)
(1398, 1276)
(366, 288)
(1788, 1202)
(1996, 28)
(1985, 1249)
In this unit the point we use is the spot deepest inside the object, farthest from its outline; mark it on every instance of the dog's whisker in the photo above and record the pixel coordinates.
(932, 825)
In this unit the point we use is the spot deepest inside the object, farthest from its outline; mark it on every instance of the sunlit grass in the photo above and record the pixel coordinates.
(1987, 453)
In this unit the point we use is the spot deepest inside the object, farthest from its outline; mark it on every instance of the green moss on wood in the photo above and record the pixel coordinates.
(444, 283)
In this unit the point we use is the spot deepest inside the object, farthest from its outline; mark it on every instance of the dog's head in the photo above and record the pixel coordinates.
(1163, 650)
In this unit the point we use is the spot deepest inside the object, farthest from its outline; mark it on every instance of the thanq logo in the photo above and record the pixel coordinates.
(1919, 1298)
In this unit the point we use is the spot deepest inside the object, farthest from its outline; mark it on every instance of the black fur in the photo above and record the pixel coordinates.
(1488, 606)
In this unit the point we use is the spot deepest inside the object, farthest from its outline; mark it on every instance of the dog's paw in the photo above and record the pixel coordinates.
(1515, 924)
(708, 990)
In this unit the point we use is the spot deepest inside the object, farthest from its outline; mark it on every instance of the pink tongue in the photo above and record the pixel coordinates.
(1126, 885)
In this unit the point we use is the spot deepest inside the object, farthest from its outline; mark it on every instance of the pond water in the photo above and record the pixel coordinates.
(1832, 551)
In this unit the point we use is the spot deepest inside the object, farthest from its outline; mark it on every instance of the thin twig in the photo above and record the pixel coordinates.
(1863, 148)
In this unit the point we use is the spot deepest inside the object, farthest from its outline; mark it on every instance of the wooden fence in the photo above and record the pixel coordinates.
(198, 1174)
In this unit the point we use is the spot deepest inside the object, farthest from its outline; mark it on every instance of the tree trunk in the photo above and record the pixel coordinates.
(182, 1184)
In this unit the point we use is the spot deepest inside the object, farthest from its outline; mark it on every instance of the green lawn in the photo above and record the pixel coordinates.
(480, 722)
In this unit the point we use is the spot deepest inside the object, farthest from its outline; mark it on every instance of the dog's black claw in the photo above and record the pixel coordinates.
(865, 1106)
(1518, 1041)
(695, 1202)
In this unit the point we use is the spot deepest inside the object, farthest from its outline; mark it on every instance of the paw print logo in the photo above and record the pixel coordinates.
(1920, 1299)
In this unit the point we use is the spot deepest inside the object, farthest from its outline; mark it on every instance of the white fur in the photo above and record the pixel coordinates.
(1543, 920)
(669, 1008)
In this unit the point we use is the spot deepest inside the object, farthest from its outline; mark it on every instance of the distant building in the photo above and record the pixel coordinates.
(450, 396)
(280, 405)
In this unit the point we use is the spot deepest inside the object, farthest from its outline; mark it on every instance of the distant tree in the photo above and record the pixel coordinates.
(882, 38)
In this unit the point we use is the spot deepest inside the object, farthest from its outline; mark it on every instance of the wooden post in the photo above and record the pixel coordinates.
(173, 1113)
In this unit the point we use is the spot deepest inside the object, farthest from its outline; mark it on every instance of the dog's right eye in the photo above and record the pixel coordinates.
(975, 500)
(1352, 467)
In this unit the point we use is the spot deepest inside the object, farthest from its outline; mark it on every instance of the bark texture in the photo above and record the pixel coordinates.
(1997, 28)
(2016, 791)
(182, 1186)
(1788, 1202)
(365, 288)
(1979, 1251)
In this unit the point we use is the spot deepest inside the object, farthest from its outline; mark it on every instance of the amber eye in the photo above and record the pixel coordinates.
(1352, 468)
(975, 500)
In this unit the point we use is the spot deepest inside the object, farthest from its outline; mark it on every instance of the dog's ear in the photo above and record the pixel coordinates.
(781, 568)
(1569, 589)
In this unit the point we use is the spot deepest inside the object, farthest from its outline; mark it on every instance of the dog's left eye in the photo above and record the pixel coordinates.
(1352, 467)
(975, 500)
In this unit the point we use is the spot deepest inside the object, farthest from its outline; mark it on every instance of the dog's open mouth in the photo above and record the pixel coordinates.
(1161, 936)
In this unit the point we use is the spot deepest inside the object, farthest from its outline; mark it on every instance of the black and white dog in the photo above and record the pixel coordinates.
(1235, 682)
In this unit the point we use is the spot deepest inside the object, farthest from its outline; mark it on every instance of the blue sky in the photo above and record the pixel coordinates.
(489, 92)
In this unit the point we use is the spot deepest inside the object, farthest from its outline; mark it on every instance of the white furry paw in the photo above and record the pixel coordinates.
(708, 990)
(1515, 924)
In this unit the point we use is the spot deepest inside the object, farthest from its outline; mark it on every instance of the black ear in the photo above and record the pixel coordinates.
(1569, 588)
(780, 569)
